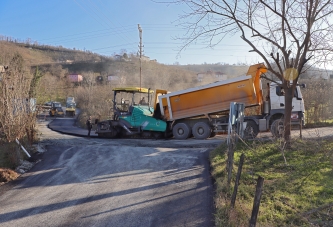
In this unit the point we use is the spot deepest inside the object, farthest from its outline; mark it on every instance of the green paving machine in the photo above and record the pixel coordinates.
(132, 115)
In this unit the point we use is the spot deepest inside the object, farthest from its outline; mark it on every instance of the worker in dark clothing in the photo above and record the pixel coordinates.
(89, 125)
(142, 101)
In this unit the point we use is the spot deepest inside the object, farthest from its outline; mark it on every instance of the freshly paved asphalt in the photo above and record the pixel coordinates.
(68, 126)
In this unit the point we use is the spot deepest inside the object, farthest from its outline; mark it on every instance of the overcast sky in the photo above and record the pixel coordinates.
(111, 26)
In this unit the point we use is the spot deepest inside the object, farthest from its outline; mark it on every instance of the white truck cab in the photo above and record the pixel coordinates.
(276, 109)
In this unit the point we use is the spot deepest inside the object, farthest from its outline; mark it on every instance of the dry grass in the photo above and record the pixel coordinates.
(7, 175)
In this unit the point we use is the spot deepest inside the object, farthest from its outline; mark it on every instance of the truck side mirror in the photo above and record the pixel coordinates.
(96, 121)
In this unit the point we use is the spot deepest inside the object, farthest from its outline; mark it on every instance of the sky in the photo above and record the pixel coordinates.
(109, 27)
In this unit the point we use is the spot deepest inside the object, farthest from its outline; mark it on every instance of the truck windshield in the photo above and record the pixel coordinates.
(280, 92)
(56, 104)
(132, 98)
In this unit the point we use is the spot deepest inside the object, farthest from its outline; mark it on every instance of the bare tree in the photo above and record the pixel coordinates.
(90, 82)
(14, 99)
(285, 33)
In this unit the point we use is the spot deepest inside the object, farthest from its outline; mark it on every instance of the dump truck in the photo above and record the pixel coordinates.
(203, 111)
(70, 100)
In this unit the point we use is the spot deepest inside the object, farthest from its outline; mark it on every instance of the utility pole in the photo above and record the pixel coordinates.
(140, 51)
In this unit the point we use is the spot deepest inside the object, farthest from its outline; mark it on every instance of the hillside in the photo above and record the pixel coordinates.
(78, 61)
(40, 55)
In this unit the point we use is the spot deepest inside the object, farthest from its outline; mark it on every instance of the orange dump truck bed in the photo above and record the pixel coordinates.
(214, 97)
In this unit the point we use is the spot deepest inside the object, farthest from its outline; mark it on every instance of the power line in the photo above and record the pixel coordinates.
(114, 46)
(115, 19)
(98, 16)
(107, 19)
(87, 12)
(122, 29)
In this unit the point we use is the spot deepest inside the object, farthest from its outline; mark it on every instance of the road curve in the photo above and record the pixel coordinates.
(67, 126)
(103, 182)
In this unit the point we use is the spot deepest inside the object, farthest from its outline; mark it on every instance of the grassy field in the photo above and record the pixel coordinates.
(298, 185)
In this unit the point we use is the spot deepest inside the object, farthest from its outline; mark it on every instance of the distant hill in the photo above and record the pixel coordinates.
(41, 54)
(36, 54)
(230, 71)
(79, 61)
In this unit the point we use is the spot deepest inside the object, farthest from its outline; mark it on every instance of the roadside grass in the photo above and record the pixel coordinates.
(297, 192)
(314, 119)
(9, 157)
(326, 123)
(11, 154)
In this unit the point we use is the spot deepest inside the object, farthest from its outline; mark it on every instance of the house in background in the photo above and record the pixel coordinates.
(74, 78)
(113, 78)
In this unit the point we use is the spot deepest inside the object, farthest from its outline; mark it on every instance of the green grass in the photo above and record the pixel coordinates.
(291, 189)
(322, 120)
(327, 123)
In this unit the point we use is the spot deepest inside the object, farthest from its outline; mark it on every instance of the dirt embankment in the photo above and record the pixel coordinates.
(7, 174)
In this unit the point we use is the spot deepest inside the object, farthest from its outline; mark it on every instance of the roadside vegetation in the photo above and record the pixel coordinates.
(298, 183)
(318, 105)
(17, 118)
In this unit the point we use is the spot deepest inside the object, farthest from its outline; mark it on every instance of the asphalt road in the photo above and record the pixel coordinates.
(103, 182)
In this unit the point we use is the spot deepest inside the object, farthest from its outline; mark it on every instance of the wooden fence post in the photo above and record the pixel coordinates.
(239, 172)
(230, 160)
(256, 203)
(300, 128)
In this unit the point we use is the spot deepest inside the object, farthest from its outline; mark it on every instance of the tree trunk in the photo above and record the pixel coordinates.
(287, 114)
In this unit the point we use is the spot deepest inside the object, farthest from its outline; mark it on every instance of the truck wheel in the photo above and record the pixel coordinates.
(251, 131)
(277, 128)
(181, 131)
(201, 130)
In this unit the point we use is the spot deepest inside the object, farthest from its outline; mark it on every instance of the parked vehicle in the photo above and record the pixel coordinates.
(70, 100)
(56, 109)
(129, 117)
(203, 111)
(49, 103)
(70, 106)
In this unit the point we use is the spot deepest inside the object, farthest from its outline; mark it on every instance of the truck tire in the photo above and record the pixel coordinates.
(277, 128)
(251, 131)
(201, 130)
(181, 131)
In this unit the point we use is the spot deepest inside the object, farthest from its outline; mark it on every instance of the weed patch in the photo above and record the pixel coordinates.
(7, 175)
(296, 183)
